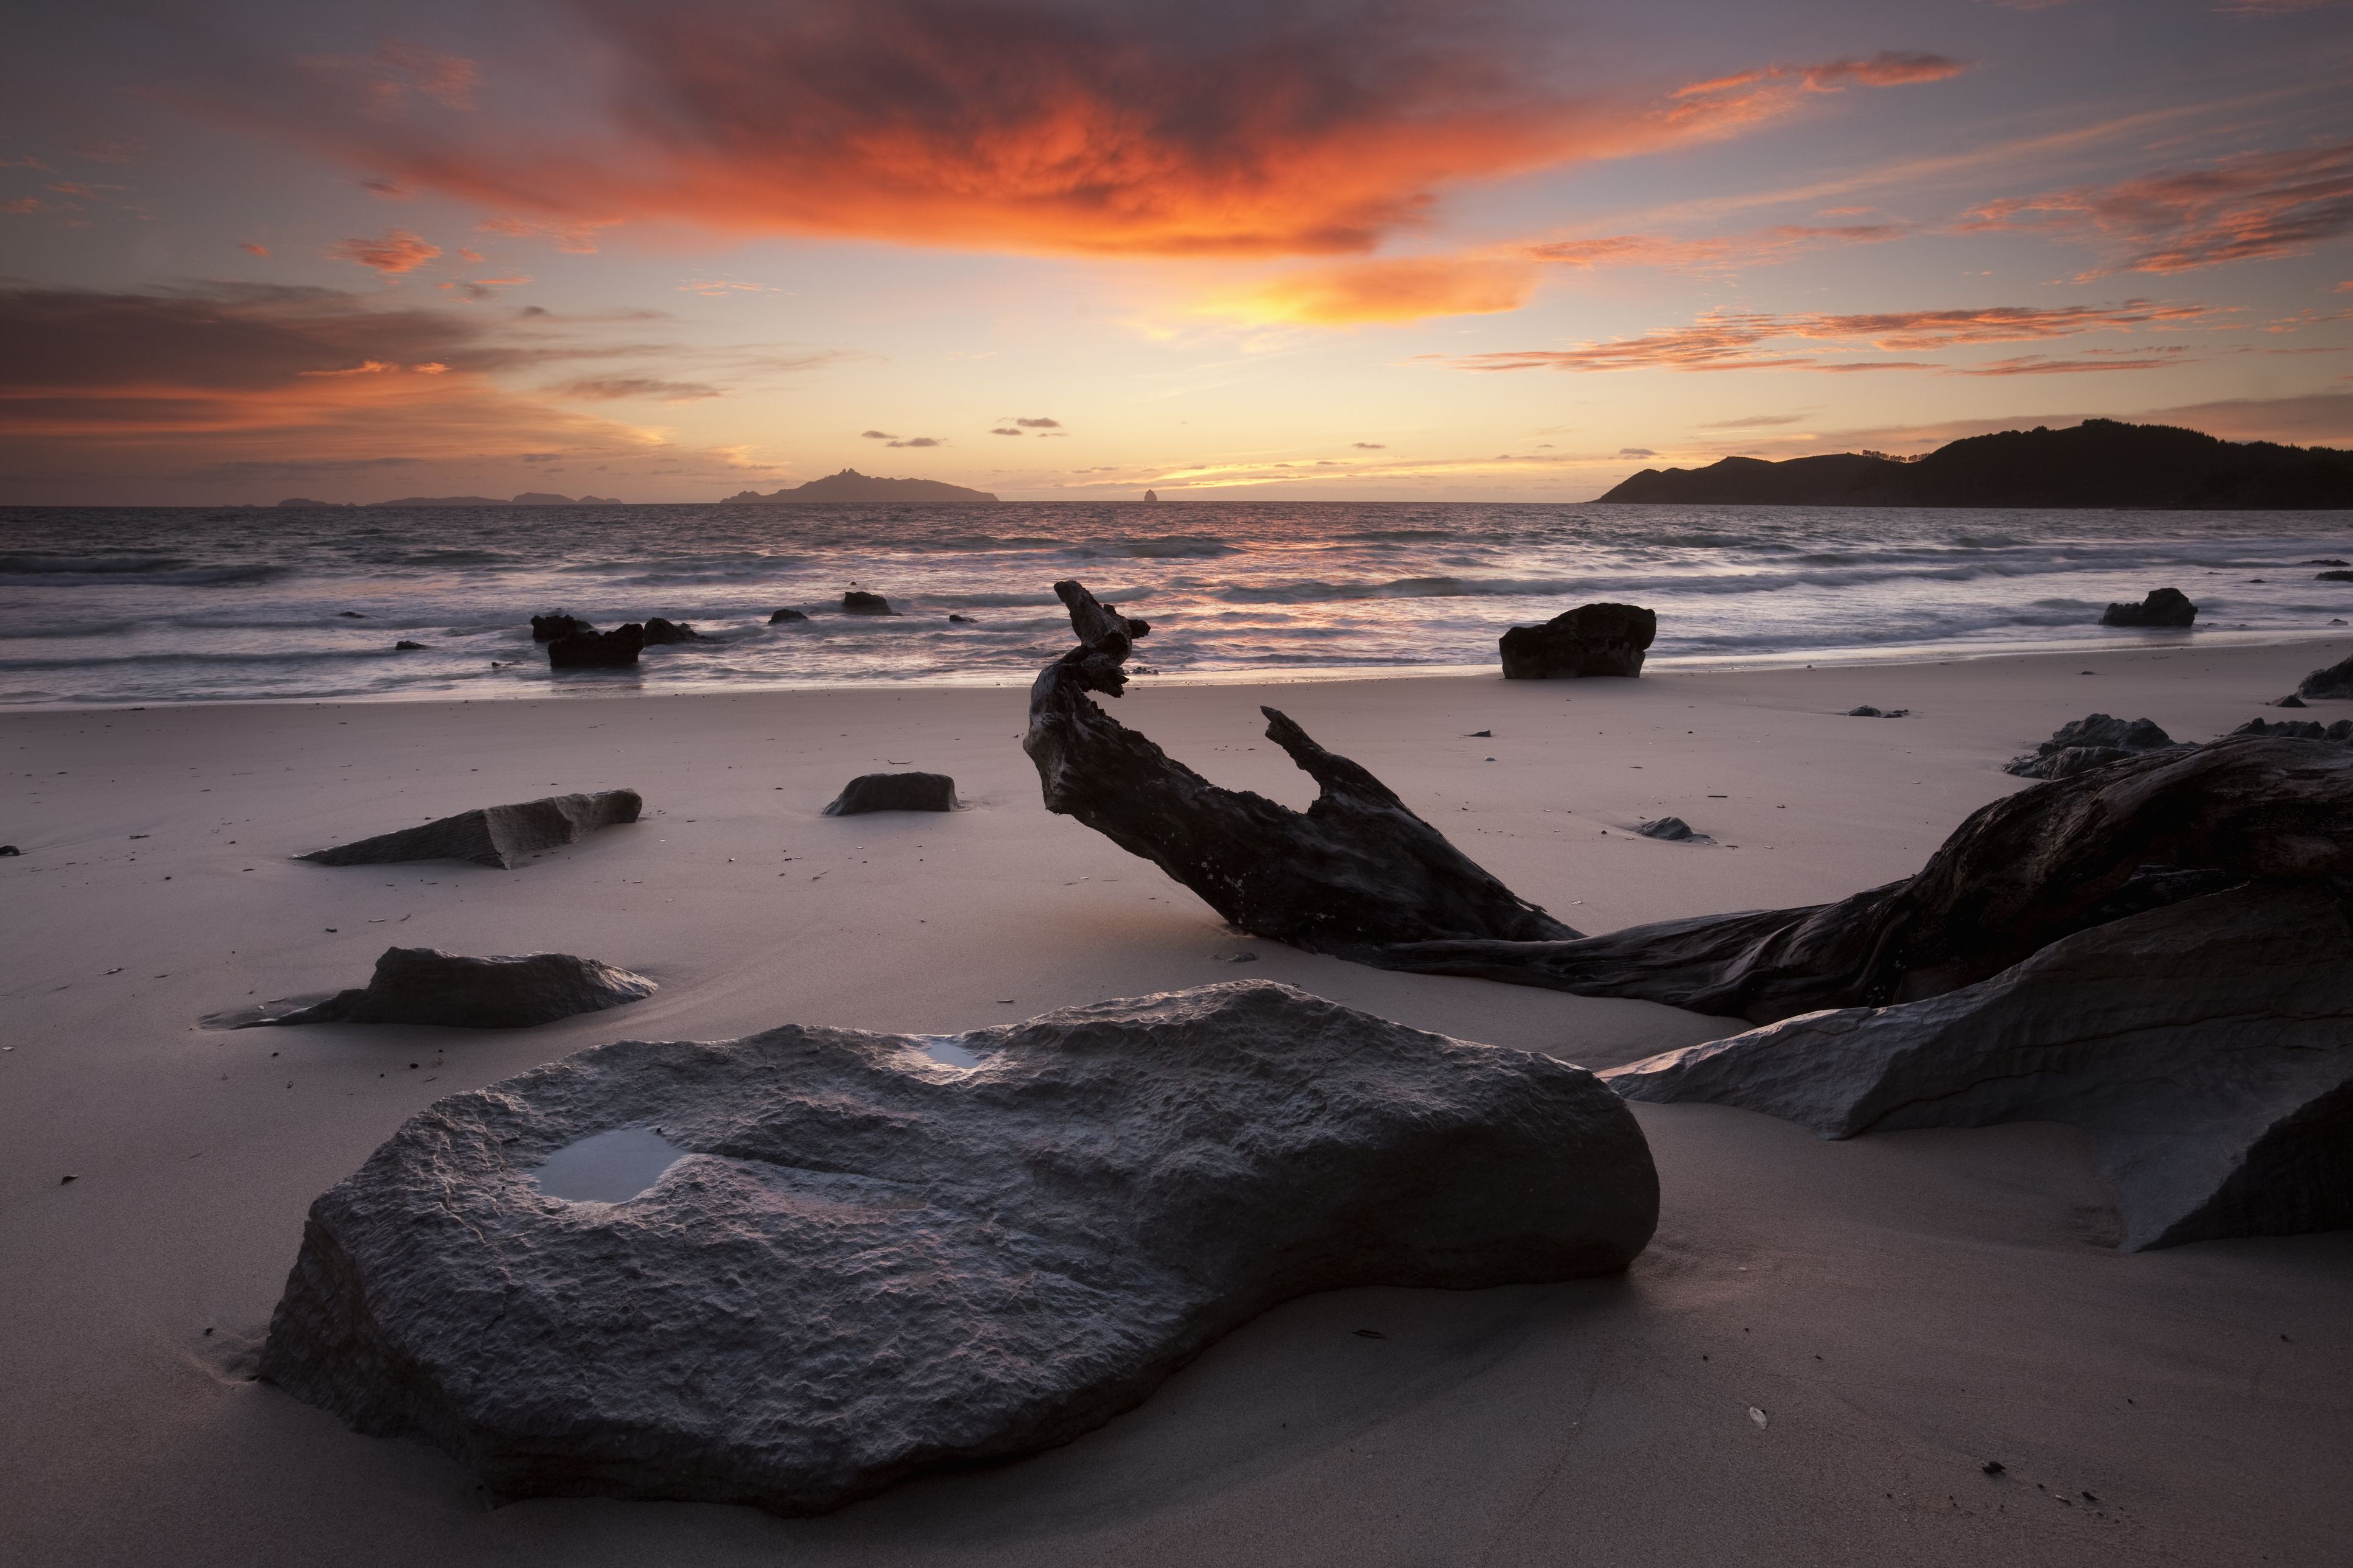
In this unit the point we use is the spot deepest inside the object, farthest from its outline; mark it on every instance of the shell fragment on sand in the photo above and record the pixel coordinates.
(856, 1258)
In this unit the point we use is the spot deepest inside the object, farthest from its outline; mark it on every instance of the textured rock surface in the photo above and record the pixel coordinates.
(547, 628)
(497, 835)
(426, 985)
(869, 1261)
(598, 650)
(2337, 681)
(2208, 1045)
(2088, 743)
(1673, 829)
(857, 601)
(2163, 607)
(2298, 728)
(1592, 639)
(894, 792)
(1356, 869)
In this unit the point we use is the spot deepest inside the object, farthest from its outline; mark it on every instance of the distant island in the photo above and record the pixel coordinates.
(528, 497)
(2099, 463)
(851, 485)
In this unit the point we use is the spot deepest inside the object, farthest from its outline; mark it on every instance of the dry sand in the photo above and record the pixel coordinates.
(1899, 1309)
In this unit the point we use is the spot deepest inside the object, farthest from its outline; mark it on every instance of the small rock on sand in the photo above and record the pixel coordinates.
(1868, 711)
(1673, 830)
(426, 985)
(894, 792)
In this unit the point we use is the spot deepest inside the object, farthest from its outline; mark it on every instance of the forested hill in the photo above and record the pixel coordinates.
(2099, 463)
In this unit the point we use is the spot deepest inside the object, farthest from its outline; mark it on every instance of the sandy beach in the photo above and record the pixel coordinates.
(1811, 1362)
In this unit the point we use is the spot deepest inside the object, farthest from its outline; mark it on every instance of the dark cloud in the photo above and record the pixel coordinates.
(876, 435)
(922, 441)
(1234, 127)
(1000, 430)
(1039, 424)
(1636, 452)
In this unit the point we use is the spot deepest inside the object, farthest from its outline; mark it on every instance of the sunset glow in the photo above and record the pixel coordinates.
(667, 252)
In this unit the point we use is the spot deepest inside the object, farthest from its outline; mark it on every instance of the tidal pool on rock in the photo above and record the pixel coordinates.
(608, 1167)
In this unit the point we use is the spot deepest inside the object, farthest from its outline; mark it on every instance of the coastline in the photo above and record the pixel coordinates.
(1886, 1302)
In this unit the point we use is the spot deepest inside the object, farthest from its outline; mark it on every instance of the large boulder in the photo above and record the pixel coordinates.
(598, 650)
(2206, 1046)
(2163, 607)
(858, 602)
(659, 633)
(498, 835)
(787, 1269)
(1592, 639)
(781, 616)
(426, 985)
(2089, 742)
(2337, 681)
(547, 628)
(894, 792)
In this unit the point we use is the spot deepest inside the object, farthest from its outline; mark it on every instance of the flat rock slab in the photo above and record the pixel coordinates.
(426, 985)
(498, 835)
(827, 1259)
(2208, 1045)
(894, 792)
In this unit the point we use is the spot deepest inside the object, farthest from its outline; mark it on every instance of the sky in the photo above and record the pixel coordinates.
(1375, 251)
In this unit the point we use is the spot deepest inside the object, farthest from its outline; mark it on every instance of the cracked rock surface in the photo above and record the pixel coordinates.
(866, 1259)
(498, 835)
(2206, 1046)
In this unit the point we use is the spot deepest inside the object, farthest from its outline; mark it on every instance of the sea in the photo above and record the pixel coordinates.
(101, 606)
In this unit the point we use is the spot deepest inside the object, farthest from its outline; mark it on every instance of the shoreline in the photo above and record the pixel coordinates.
(598, 685)
(1887, 1301)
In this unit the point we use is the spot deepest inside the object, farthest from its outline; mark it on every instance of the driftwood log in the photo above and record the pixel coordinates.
(1360, 876)
(1355, 873)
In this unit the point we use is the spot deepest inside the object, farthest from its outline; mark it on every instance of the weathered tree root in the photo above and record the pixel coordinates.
(1360, 876)
(2017, 875)
(1355, 873)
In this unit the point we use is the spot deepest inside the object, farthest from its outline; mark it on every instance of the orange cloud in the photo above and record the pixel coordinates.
(393, 251)
(250, 249)
(1741, 340)
(2236, 210)
(1760, 247)
(1305, 130)
(1404, 288)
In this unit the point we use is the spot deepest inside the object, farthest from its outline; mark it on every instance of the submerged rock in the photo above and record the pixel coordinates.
(498, 835)
(547, 628)
(857, 601)
(1592, 639)
(2334, 681)
(2089, 742)
(780, 616)
(598, 650)
(426, 985)
(894, 792)
(2206, 1046)
(2163, 607)
(796, 1266)
(659, 632)
(2333, 577)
